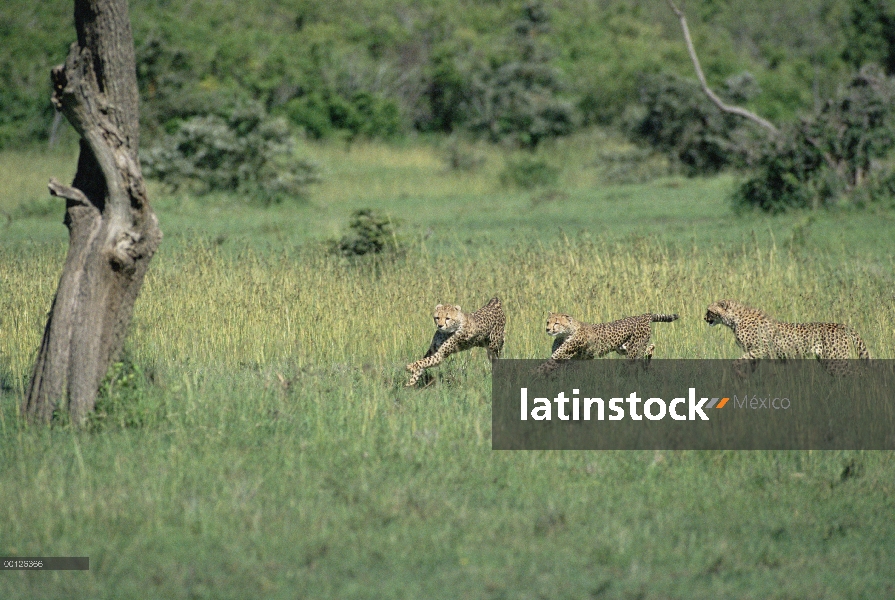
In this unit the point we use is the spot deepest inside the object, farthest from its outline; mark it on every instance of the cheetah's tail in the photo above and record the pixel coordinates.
(859, 344)
(659, 318)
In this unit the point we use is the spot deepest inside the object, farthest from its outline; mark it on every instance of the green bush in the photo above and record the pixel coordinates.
(830, 154)
(362, 114)
(790, 173)
(248, 152)
(870, 34)
(676, 117)
(312, 113)
(528, 172)
(521, 99)
(879, 190)
(446, 93)
(171, 93)
(519, 102)
(124, 399)
(369, 232)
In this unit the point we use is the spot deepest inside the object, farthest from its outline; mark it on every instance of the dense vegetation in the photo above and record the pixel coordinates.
(517, 72)
(386, 67)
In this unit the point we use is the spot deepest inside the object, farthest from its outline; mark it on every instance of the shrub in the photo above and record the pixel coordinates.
(247, 152)
(124, 399)
(528, 173)
(870, 34)
(462, 157)
(830, 153)
(675, 117)
(789, 173)
(879, 190)
(362, 114)
(310, 112)
(446, 92)
(520, 100)
(369, 233)
(171, 93)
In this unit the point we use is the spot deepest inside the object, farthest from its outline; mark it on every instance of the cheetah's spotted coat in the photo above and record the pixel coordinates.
(457, 331)
(760, 336)
(574, 339)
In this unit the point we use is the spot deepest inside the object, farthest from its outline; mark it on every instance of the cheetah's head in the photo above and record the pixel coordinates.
(559, 324)
(719, 312)
(448, 317)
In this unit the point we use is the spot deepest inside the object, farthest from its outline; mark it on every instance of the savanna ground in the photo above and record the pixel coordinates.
(256, 440)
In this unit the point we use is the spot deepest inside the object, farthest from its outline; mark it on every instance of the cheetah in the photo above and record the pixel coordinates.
(760, 336)
(629, 336)
(457, 331)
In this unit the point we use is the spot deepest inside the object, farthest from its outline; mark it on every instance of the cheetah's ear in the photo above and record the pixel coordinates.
(723, 304)
(438, 306)
(457, 307)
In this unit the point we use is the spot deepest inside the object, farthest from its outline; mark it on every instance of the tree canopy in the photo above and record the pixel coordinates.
(383, 67)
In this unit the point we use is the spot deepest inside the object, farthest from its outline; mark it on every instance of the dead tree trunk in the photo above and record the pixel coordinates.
(113, 231)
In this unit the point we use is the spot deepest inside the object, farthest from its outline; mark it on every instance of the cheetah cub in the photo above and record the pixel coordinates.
(629, 336)
(457, 331)
(760, 336)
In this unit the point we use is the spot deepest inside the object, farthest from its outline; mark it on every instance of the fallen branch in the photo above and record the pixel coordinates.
(734, 110)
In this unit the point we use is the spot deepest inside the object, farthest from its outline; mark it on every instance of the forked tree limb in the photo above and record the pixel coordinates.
(734, 110)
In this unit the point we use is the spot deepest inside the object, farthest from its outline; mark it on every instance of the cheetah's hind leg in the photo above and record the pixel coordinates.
(839, 367)
(638, 345)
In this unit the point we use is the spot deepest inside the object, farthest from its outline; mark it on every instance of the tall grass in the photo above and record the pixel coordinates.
(23, 185)
(204, 306)
(255, 439)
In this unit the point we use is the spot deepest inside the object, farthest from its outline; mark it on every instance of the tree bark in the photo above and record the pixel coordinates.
(113, 231)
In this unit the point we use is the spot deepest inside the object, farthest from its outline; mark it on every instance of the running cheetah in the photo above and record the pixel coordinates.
(760, 336)
(457, 331)
(629, 336)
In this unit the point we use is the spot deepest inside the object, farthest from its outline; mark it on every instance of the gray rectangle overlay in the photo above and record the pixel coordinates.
(45, 563)
(694, 405)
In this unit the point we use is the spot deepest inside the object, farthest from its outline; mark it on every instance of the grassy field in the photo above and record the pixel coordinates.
(256, 440)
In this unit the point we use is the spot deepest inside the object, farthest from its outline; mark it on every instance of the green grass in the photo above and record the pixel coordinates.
(257, 442)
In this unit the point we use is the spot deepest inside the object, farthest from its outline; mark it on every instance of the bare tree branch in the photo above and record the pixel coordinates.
(67, 192)
(734, 110)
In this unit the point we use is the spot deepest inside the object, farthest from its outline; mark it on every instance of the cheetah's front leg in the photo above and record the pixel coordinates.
(445, 348)
(565, 351)
(746, 360)
(438, 341)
